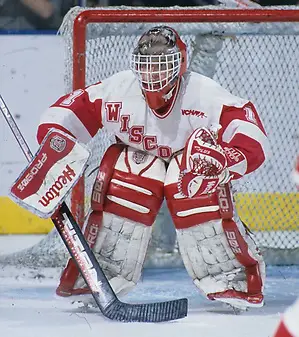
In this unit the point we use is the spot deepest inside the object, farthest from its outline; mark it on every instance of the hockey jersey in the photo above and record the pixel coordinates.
(118, 105)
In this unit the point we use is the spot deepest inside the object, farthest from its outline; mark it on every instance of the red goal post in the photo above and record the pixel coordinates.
(255, 56)
(166, 16)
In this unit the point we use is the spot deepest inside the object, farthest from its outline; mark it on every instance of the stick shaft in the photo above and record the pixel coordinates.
(15, 130)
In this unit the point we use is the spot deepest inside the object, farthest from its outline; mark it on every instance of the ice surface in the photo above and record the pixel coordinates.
(30, 308)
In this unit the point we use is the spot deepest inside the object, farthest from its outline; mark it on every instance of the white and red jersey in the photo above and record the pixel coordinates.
(117, 104)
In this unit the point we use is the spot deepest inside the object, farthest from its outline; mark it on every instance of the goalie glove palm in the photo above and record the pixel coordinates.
(203, 166)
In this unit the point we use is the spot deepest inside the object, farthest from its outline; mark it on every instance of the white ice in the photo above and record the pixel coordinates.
(30, 308)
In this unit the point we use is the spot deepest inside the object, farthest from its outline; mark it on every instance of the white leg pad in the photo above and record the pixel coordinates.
(210, 260)
(121, 248)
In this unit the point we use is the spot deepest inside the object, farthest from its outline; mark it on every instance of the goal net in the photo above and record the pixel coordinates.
(254, 54)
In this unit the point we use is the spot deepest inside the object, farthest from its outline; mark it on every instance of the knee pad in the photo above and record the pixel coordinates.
(136, 188)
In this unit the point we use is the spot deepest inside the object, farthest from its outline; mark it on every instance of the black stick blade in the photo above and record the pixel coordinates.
(147, 312)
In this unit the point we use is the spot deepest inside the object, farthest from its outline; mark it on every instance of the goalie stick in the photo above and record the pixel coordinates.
(103, 294)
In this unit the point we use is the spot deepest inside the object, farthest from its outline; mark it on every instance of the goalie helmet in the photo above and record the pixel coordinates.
(158, 61)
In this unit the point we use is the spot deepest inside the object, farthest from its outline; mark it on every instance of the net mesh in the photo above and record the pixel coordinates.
(255, 61)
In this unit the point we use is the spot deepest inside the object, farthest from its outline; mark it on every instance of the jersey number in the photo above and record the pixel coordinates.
(70, 99)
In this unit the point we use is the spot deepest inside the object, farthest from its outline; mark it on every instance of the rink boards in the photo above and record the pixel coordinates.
(16, 220)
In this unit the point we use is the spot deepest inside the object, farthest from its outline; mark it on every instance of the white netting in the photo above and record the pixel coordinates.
(259, 61)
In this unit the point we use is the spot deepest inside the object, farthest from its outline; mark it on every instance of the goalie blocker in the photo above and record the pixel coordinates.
(49, 177)
(217, 250)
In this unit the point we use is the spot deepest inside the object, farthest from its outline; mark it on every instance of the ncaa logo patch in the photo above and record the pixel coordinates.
(57, 143)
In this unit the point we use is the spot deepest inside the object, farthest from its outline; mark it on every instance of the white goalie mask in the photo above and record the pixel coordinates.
(155, 72)
(158, 61)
